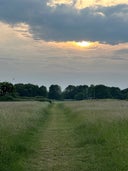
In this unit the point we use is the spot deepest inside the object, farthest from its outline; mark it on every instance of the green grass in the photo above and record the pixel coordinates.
(100, 129)
(19, 125)
(70, 136)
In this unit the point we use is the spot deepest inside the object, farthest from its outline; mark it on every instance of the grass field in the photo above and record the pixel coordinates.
(70, 136)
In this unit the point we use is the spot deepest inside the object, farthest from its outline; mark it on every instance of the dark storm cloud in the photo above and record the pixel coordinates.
(16, 11)
(65, 23)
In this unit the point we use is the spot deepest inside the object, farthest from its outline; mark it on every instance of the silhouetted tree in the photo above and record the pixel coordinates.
(43, 91)
(102, 92)
(125, 93)
(6, 88)
(116, 93)
(20, 89)
(91, 92)
(79, 92)
(69, 92)
(54, 92)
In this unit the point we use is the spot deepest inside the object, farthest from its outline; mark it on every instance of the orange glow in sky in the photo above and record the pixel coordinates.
(83, 44)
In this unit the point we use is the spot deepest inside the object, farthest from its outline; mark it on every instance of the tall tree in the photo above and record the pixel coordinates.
(6, 88)
(69, 92)
(102, 92)
(81, 92)
(20, 89)
(116, 93)
(125, 93)
(55, 92)
(43, 91)
(28, 90)
(91, 92)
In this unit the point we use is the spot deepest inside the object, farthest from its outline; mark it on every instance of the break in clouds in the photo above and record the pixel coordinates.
(64, 22)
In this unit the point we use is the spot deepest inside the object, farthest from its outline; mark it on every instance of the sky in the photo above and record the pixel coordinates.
(64, 42)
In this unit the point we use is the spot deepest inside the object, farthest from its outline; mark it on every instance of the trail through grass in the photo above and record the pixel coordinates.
(56, 144)
(73, 136)
(71, 141)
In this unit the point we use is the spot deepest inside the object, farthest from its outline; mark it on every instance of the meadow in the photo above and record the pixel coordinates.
(89, 135)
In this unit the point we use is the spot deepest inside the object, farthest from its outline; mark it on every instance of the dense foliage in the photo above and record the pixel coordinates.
(71, 92)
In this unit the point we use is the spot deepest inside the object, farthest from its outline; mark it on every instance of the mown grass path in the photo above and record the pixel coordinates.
(56, 152)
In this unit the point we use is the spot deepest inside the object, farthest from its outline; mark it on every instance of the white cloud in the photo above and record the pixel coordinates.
(80, 4)
(54, 3)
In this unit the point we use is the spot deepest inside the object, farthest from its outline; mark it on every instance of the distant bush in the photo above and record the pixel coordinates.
(6, 98)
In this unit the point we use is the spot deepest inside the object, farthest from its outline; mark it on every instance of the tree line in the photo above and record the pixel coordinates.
(71, 92)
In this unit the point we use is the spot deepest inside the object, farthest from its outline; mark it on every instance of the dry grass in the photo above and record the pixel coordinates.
(14, 115)
(108, 110)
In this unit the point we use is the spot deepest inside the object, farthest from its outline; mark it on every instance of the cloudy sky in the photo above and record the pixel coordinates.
(64, 42)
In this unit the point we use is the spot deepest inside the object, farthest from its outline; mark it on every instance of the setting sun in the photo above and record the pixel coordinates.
(83, 44)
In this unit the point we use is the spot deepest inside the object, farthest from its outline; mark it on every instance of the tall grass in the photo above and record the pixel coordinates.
(19, 125)
(101, 134)
(84, 135)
